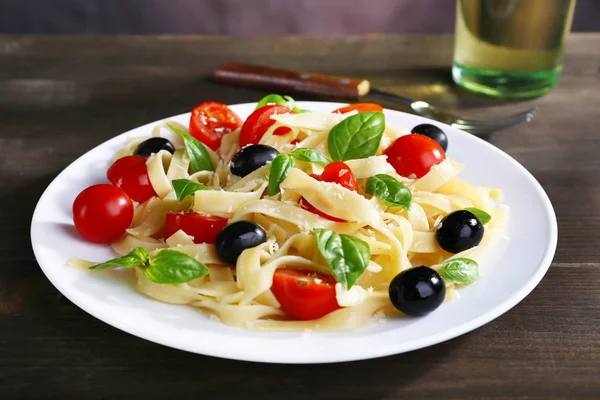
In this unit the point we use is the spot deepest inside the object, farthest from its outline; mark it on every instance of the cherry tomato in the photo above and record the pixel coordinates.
(309, 207)
(203, 228)
(130, 173)
(304, 295)
(340, 173)
(101, 213)
(259, 122)
(360, 107)
(414, 154)
(210, 121)
(336, 172)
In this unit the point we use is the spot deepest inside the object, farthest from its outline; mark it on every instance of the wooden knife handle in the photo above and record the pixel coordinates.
(283, 81)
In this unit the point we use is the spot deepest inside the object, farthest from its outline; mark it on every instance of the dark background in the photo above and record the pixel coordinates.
(245, 17)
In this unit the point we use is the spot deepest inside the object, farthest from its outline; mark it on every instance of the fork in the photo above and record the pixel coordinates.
(352, 89)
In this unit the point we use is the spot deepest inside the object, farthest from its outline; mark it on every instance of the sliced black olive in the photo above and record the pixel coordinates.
(417, 291)
(237, 237)
(153, 145)
(433, 132)
(459, 231)
(251, 158)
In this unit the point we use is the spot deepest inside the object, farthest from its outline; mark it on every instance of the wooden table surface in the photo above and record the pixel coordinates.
(61, 96)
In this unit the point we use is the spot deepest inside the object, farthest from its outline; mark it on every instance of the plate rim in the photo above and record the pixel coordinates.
(511, 301)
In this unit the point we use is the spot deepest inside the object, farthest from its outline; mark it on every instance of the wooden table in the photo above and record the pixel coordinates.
(61, 96)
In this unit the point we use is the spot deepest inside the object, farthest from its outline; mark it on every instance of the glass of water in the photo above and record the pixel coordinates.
(510, 48)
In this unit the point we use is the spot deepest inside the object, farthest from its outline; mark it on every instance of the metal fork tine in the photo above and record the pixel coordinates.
(494, 124)
(525, 116)
(491, 126)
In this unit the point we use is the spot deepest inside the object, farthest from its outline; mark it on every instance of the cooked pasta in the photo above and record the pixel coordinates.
(398, 238)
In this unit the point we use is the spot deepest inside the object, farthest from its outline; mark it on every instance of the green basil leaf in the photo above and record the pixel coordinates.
(462, 271)
(280, 168)
(138, 257)
(173, 267)
(185, 187)
(285, 101)
(292, 104)
(481, 215)
(272, 99)
(309, 155)
(346, 256)
(387, 188)
(357, 136)
(199, 157)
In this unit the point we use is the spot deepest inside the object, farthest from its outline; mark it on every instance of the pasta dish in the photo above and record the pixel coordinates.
(292, 219)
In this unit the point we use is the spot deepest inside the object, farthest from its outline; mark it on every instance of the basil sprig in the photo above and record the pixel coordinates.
(285, 101)
(167, 267)
(462, 271)
(346, 256)
(138, 256)
(390, 190)
(271, 99)
(199, 157)
(185, 187)
(309, 155)
(481, 215)
(357, 136)
(280, 168)
(292, 105)
(172, 267)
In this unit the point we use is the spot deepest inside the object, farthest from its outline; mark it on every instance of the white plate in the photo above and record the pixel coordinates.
(506, 281)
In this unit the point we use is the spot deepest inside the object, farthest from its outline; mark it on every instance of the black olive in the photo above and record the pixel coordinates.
(251, 158)
(433, 132)
(237, 237)
(153, 145)
(417, 291)
(459, 231)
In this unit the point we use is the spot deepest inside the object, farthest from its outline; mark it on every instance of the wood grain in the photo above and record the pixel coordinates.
(60, 96)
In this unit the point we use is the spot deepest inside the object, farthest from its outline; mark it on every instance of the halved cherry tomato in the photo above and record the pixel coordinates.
(304, 295)
(360, 107)
(101, 213)
(309, 207)
(340, 173)
(259, 122)
(202, 228)
(414, 154)
(130, 173)
(210, 121)
(336, 172)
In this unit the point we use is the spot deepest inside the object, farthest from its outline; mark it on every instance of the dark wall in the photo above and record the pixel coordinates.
(245, 17)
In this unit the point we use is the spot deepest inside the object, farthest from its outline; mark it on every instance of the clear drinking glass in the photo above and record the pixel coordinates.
(510, 48)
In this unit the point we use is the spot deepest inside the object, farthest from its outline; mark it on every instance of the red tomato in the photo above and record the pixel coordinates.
(259, 122)
(203, 228)
(336, 172)
(101, 213)
(210, 121)
(414, 154)
(340, 173)
(360, 107)
(304, 295)
(130, 173)
(309, 207)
